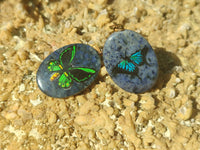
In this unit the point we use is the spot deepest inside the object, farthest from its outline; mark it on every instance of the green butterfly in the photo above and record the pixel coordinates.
(64, 72)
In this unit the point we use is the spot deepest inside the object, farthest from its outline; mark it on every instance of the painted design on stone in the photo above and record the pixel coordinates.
(130, 61)
(64, 72)
(68, 70)
(129, 65)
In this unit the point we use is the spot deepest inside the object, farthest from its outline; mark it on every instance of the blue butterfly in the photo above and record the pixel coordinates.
(130, 64)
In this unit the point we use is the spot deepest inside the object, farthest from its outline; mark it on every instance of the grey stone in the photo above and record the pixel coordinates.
(68, 70)
(130, 61)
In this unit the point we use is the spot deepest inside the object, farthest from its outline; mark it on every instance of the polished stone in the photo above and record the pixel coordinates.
(130, 61)
(68, 70)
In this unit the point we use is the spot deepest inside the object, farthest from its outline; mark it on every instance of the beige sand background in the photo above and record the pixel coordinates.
(103, 117)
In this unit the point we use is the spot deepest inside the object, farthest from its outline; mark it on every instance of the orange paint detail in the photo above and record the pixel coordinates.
(55, 75)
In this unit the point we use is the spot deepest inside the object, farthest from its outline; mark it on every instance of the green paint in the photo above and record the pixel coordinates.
(65, 79)
(54, 66)
(88, 70)
(73, 53)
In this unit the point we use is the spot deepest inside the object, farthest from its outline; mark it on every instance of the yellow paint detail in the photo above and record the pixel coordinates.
(60, 67)
(55, 75)
(66, 74)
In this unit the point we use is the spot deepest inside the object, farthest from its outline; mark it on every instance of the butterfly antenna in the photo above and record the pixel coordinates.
(125, 54)
(139, 77)
(123, 57)
(144, 52)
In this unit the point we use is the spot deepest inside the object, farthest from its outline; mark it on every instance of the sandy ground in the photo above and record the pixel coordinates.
(103, 117)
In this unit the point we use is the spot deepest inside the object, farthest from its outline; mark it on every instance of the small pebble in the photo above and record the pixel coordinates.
(24, 114)
(171, 93)
(61, 133)
(52, 118)
(68, 70)
(130, 61)
(10, 115)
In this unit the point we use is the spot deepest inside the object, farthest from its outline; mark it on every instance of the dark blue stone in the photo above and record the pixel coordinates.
(139, 73)
(76, 64)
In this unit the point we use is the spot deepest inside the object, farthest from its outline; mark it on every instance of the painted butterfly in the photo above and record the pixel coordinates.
(130, 64)
(64, 72)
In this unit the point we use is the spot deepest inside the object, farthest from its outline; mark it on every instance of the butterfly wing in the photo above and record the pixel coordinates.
(139, 57)
(67, 55)
(126, 67)
(54, 66)
(81, 74)
(65, 80)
